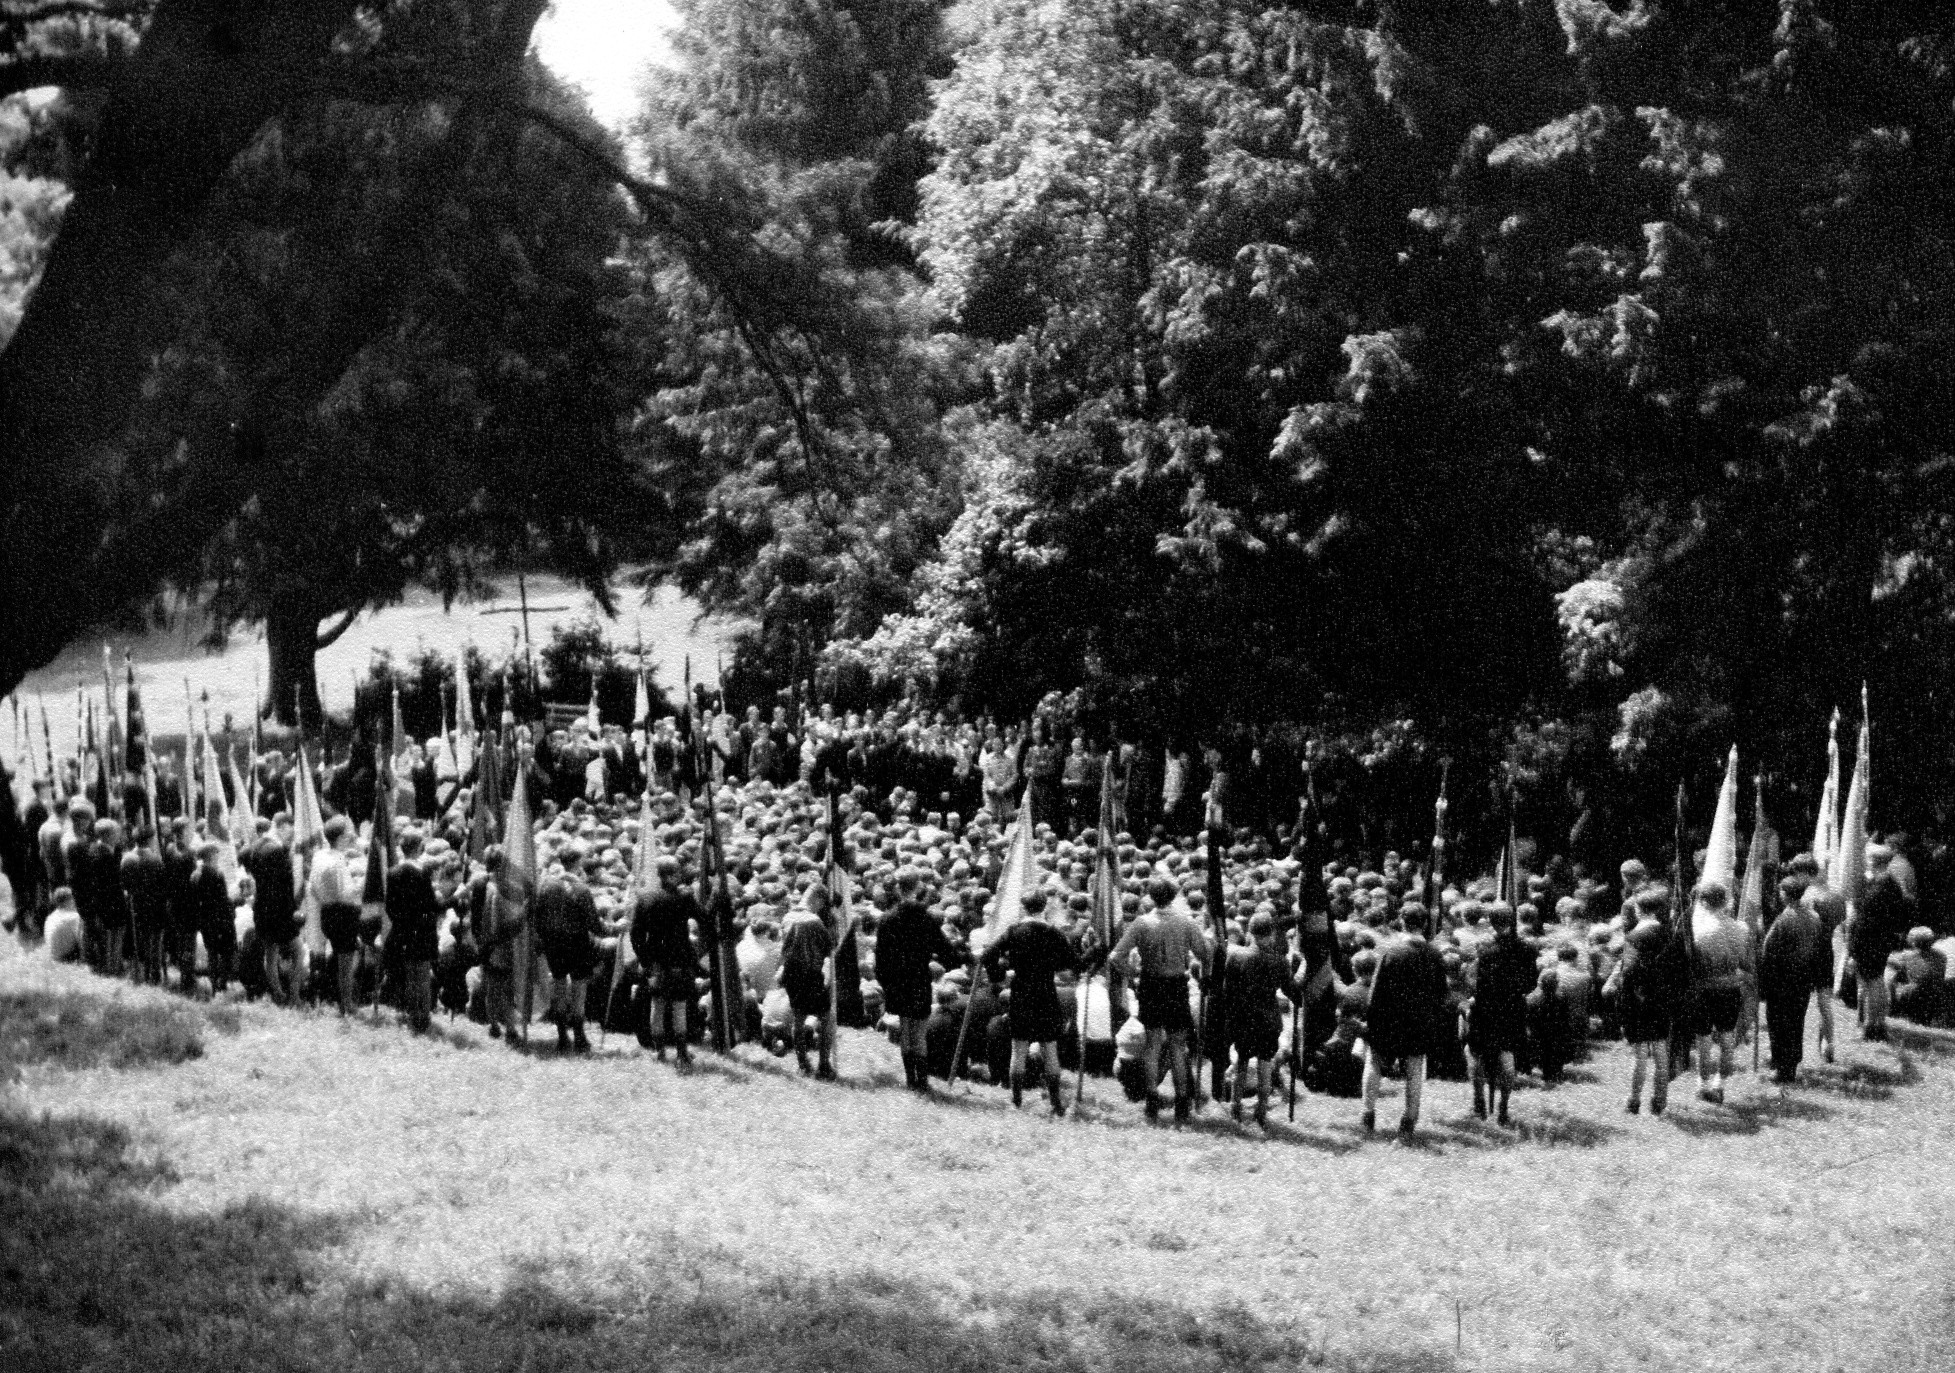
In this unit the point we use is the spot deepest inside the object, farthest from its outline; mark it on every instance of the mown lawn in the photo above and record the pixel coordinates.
(285, 1190)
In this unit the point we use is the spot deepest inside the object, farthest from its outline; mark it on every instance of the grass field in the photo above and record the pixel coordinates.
(260, 1189)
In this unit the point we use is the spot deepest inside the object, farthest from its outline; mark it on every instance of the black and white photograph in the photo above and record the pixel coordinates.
(932, 686)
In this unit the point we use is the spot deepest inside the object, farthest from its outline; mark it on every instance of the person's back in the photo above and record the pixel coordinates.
(275, 910)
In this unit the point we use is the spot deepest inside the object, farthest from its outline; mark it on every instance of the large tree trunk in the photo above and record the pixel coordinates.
(292, 642)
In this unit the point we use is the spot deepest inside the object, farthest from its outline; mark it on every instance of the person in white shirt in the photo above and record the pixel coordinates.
(61, 935)
(332, 886)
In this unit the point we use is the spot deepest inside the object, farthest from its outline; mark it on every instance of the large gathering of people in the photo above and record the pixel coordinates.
(695, 863)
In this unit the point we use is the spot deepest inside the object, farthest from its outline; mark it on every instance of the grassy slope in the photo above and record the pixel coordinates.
(311, 1193)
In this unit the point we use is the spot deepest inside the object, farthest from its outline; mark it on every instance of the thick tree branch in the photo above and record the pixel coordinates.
(18, 16)
(332, 636)
(77, 72)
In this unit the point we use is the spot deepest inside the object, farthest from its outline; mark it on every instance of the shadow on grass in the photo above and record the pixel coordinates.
(1861, 1081)
(92, 1029)
(1746, 1117)
(97, 1272)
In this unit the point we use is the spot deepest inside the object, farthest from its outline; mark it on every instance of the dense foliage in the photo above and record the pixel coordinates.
(1558, 385)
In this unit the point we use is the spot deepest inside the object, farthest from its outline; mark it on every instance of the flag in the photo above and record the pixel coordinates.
(1759, 859)
(111, 730)
(1105, 884)
(464, 718)
(400, 740)
(644, 867)
(380, 845)
(244, 832)
(155, 844)
(641, 701)
(137, 743)
(1849, 872)
(218, 819)
(1017, 878)
(517, 884)
(1826, 825)
(1721, 857)
(486, 805)
(308, 822)
(518, 881)
(1507, 877)
(95, 775)
(590, 713)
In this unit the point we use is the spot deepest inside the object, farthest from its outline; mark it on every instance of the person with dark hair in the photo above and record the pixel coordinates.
(1648, 986)
(145, 889)
(1164, 939)
(1726, 965)
(1878, 928)
(339, 906)
(1408, 999)
(1256, 975)
(1035, 953)
(1793, 963)
(210, 899)
(97, 868)
(1497, 1014)
(274, 909)
(567, 930)
(908, 941)
(412, 936)
(807, 944)
(1917, 980)
(661, 936)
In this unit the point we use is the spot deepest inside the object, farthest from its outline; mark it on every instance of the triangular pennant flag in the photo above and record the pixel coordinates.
(1105, 882)
(464, 718)
(644, 868)
(1826, 824)
(1849, 869)
(518, 881)
(486, 804)
(641, 701)
(590, 712)
(244, 832)
(1721, 857)
(401, 743)
(217, 820)
(1016, 879)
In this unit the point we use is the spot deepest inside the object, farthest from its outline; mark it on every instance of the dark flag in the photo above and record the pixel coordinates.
(138, 740)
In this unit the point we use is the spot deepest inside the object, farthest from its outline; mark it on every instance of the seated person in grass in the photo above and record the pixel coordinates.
(1917, 980)
(61, 935)
(1336, 1067)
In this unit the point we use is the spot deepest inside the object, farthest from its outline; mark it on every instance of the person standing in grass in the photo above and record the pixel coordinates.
(1164, 940)
(1497, 1014)
(661, 936)
(1726, 965)
(1256, 973)
(216, 917)
(807, 942)
(1794, 960)
(908, 941)
(567, 929)
(339, 906)
(1648, 986)
(1035, 953)
(411, 934)
(1408, 1003)
(274, 909)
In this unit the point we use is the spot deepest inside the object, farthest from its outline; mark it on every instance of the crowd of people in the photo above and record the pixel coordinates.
(692, 863)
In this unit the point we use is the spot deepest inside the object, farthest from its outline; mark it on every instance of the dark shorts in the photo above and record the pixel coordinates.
(341, 926)
(1164, 1004)
(1258, 1038)
(572, 958)
(806, 996)
(1718, 1010)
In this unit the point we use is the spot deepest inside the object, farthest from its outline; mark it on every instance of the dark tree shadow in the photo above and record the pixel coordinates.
(96, 1272)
